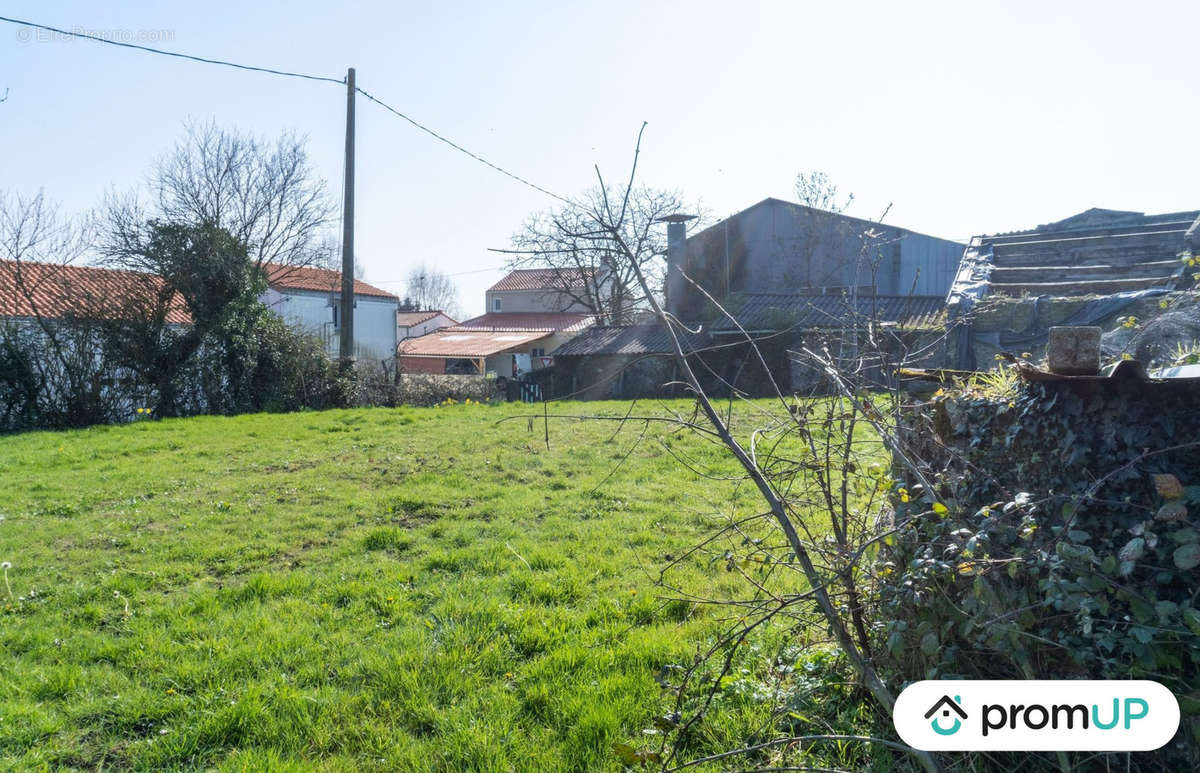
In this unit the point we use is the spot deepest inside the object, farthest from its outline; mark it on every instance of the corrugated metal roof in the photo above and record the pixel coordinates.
(1098, 251)
(53, 291)
(459, 343)
(321, 280)
(520, 320)
(631, 340)
(758, 312)
(543, 279)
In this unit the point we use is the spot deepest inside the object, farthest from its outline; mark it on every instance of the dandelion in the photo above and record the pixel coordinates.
(170, 691)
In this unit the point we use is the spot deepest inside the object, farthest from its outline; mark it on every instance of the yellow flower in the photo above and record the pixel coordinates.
(170, 691)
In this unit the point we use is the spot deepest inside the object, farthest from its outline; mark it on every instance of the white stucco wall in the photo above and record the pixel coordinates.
(424, 328)
(374, 320)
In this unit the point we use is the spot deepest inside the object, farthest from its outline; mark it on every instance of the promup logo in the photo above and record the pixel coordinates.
(1069, 715)
(945, 705)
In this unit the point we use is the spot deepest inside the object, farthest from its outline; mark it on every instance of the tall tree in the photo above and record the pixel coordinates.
(264, 194)
(428, 289)
(588, 270)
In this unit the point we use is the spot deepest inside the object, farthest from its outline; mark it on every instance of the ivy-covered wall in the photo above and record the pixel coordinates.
(1065, 542)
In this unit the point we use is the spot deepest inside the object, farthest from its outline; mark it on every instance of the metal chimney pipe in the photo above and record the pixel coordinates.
(676, 259)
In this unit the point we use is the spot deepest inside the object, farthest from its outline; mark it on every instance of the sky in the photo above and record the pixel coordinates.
(964, 117)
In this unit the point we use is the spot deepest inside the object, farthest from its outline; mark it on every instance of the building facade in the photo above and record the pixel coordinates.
(310, 299)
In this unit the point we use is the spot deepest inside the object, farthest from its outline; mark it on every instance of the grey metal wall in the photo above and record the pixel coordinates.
(777, 246)
(927, 264)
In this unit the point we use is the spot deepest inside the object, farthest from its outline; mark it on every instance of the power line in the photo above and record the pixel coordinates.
(289, 74)
(176, 54)
(461, 149)
(456, 273)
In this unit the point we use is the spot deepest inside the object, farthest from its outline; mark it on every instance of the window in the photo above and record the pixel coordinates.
(335, 315)
(537, 353)
(496, 304)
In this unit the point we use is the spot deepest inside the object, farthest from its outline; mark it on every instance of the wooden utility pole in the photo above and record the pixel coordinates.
(346, 343)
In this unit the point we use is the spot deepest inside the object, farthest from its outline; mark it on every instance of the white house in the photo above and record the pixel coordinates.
(310, 298)
(414, 324)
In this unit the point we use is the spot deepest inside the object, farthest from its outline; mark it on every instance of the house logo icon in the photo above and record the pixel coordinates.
(945, 706)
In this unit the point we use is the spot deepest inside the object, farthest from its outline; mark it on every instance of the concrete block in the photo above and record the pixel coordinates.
(1074, 351)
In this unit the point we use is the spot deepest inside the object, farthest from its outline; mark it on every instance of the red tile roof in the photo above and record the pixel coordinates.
(520, 320)
(322, 280)
(542, 279)
(54, 291)
(410, 318)
(449, 342)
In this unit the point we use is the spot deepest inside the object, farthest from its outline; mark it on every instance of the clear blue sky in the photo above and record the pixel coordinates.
(968, 117)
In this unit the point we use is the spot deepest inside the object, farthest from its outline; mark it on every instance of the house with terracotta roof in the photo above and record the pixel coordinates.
(310, 298)
(545, 290)
(414, 324)
(31, 291)
(530, 314)
(305, 297)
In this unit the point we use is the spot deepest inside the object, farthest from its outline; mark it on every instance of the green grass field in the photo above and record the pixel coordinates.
(414, 589)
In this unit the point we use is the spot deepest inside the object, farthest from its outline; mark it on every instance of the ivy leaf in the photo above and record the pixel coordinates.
(1175, 510)
(626, 753)
(1144, 635)
(1184, 536)
(1133, 549)
(929, 644)
(1165, 609)
(1188, 556)
(1168, 486)
(1191, 617)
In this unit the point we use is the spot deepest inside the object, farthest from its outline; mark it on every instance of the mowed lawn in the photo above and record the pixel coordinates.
(413, 589)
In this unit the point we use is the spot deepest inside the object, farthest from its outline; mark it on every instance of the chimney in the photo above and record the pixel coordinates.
(676, 259)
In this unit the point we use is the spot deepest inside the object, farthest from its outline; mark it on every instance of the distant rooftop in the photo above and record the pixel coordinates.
(542, 279)
(54, 291)
(527, 321)
(760, 312)
(410, 318)
(323, 280)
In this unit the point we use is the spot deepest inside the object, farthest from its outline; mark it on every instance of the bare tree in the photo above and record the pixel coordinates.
(589, 271)
(429, 289)
(803, 467)
(816, 189)
(265, 194)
